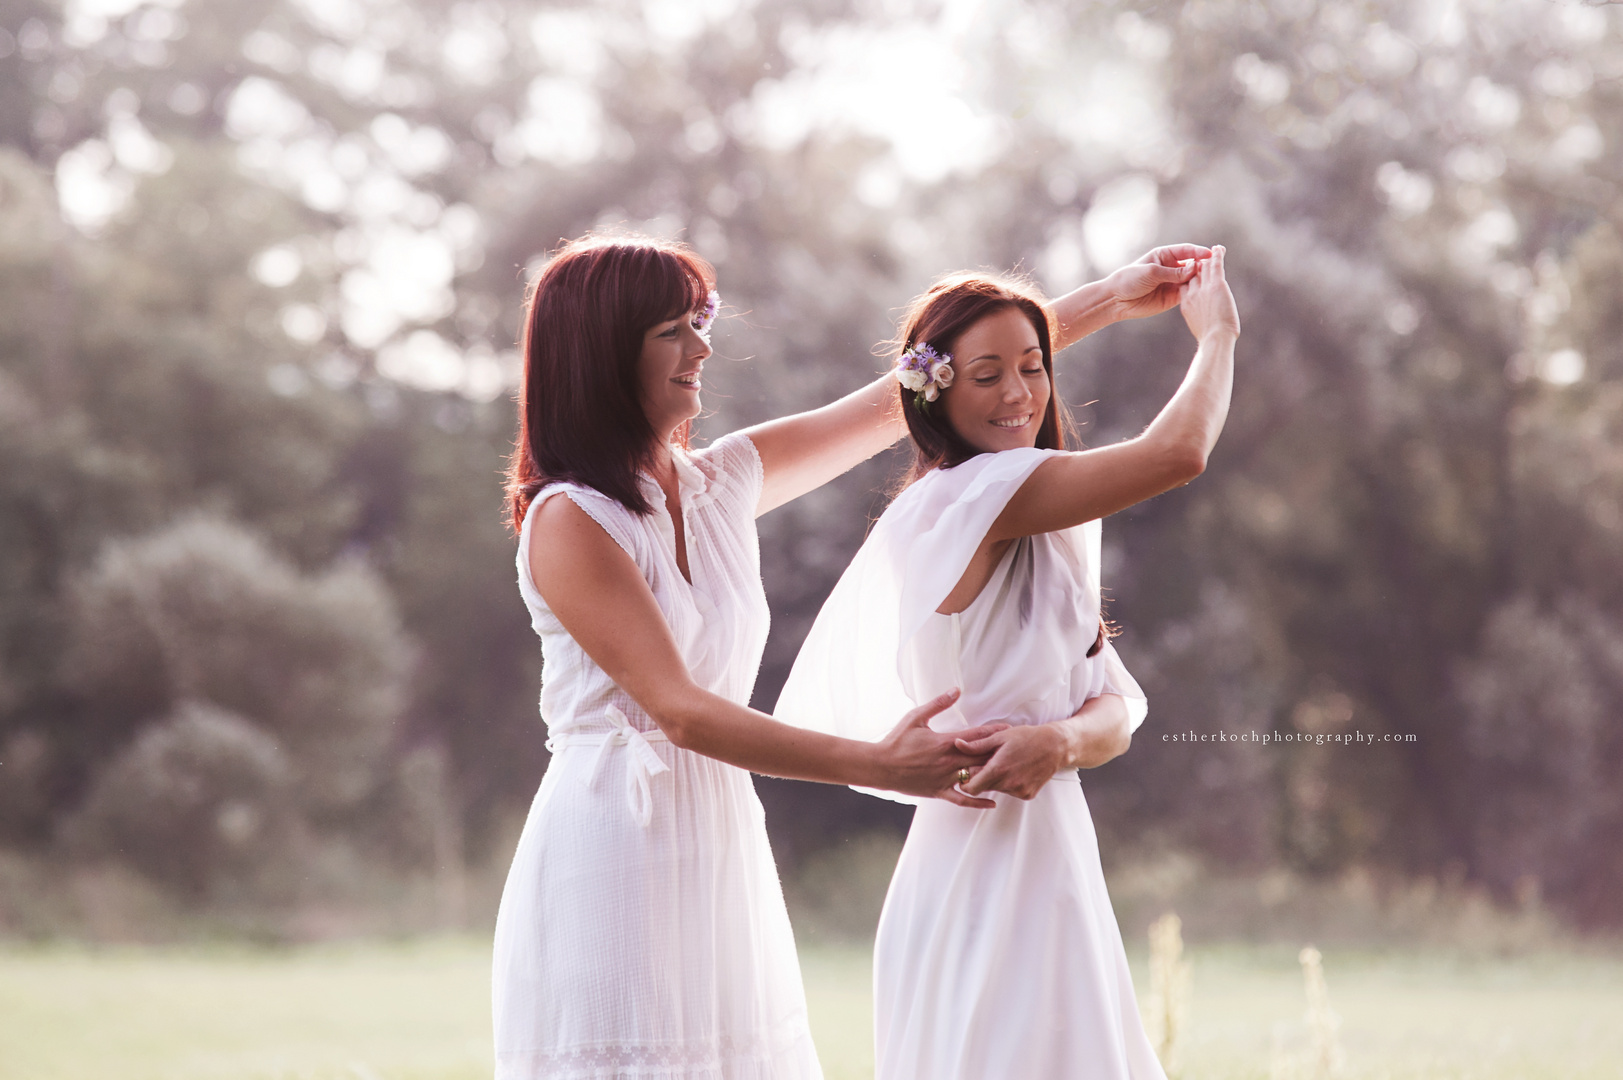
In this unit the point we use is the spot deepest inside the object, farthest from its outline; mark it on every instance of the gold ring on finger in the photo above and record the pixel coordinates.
(963, 776)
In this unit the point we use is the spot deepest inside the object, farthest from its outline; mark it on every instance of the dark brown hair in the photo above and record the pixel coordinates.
(939, 318)
(580, 413)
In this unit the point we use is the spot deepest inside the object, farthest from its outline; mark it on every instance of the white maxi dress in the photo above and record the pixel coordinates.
(998, 955)
(642, 933)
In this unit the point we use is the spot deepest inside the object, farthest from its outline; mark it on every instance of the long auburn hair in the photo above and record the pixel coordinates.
(938, 318)
(580, 413)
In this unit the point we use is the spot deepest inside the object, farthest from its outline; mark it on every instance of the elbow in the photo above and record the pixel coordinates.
(1188, 463)
(677, 726)
(1124, 739)
(1177, 457)
(1110, 743)
(679, 719)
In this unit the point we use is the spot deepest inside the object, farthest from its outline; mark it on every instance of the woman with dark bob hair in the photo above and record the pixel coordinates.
(642, 932)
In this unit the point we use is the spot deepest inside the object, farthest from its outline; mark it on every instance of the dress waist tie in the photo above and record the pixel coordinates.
(643, 763)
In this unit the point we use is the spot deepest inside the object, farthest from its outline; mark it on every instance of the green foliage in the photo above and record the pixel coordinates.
(205, 612)
(1540, 701)
(1412, 524)
(198, 800)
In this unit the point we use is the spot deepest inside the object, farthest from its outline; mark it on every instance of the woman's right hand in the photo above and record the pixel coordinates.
(920, 761)
(1207, 304)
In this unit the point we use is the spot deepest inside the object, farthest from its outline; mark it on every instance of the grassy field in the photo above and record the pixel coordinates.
(420, 1011)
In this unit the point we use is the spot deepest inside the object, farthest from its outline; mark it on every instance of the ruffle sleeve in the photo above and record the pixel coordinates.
(1110, 676)
(732, 466)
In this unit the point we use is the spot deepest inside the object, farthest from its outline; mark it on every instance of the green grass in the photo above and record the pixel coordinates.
(420, 1011)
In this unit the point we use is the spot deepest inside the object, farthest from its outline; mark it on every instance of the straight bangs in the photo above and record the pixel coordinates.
(581, 417)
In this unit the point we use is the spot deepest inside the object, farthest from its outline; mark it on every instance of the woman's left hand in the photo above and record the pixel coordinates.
(1024, 758)
(1027, 756)
(1150, 285)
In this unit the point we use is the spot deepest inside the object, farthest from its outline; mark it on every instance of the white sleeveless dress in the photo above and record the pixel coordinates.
(998, 954)
(642, 931)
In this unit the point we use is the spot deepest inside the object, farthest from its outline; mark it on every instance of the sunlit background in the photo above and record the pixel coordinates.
(264, 673)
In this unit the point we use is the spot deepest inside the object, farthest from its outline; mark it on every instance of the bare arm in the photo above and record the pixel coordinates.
(803, 452)
(1147, 287)
(601, 598)
(1024, 758)
(1172, 451)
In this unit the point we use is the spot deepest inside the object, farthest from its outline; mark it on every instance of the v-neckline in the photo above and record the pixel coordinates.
(681, 550)
(681, 553)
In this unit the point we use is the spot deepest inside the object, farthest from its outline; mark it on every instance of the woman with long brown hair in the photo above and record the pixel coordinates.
(998, 954)
(642, 931)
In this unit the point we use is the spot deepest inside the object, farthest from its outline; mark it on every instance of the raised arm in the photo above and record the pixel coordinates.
(1071, 489)
(1146, 287)
(596, 591)
(803, 452)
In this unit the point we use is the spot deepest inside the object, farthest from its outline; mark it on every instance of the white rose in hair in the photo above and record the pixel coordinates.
(913, 380)
(942, 374)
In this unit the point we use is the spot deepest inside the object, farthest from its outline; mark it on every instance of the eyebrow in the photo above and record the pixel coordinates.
(997, 356)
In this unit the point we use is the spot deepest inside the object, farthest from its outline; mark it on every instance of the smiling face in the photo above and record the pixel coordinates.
(673, 352)
(1000, 388)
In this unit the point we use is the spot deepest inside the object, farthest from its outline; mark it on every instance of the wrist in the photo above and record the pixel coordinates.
(1219, 336)
(1115, 309)
(1086, 309)
(869, 765)
(1061, 746)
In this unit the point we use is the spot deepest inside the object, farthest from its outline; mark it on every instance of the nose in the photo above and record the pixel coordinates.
(1015, 389)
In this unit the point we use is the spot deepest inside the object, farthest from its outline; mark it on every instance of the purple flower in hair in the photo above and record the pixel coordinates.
(924, 371)
(707, 315)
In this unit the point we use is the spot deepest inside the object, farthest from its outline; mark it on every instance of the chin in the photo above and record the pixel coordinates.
(1025, 438)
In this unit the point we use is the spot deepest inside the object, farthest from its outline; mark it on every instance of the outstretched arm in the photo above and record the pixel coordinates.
(1072, 488)
(803, 452)
(1146, 287)
(601, 598)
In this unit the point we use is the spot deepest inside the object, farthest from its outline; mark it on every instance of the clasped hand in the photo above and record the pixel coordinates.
(1024, 757)
(1016, 760)
(1186, 275)
(1154, 283)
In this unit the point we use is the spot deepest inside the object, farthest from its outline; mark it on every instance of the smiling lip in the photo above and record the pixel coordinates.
(690, 379)
(1012, 423)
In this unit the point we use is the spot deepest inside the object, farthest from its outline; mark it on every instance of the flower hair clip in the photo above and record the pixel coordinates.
(925, 372)
(707, 315)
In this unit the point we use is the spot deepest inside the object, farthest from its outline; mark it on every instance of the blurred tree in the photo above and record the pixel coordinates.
(1403, 191)
(284, 286)
(203, 611)
(200, 802)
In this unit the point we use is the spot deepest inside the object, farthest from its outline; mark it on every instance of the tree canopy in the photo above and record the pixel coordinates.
(261, 267)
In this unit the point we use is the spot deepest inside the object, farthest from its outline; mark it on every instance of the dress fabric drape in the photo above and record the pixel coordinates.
(642, 933)
(998, 954)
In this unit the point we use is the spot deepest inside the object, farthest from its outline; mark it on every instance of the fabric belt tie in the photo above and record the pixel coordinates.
(642, 765)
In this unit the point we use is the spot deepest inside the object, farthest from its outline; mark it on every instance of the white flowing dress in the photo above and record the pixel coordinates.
(998, 954)
(642, 931)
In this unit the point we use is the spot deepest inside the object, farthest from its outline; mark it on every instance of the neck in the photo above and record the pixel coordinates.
(662, 463)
